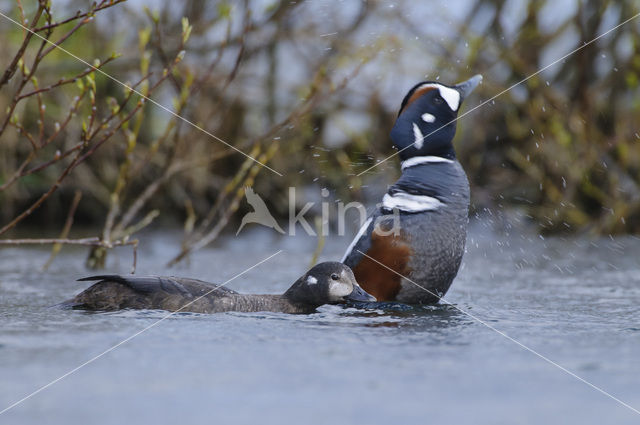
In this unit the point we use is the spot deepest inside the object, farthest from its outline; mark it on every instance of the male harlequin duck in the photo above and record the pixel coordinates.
(326, 283)
(426, 242)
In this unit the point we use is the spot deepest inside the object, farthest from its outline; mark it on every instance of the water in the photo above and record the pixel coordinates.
(574, 301)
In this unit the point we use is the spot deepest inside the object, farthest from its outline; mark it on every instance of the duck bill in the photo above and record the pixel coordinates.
(359, 294)
(466, 87)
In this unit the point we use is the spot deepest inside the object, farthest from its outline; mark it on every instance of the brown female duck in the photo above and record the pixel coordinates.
(326, 283)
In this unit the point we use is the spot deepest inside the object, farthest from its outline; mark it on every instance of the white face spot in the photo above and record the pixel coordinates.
(418, 137)
(427, 117)
(311, 280)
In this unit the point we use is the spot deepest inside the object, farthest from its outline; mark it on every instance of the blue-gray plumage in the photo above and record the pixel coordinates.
(414, 254)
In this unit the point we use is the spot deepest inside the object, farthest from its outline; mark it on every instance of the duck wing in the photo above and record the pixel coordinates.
(169, 284)
(115, 292)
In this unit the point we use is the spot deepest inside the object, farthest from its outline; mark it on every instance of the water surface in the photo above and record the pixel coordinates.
(574, 301)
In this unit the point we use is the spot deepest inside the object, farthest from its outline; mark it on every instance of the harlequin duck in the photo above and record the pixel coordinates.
(326, 283)
(425, 241)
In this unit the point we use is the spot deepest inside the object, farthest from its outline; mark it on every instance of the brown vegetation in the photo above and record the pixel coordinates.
(236, 92)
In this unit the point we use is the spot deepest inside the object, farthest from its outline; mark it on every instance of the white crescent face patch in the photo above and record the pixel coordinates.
(451, 96)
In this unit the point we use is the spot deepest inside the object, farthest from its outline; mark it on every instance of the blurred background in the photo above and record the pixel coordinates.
(311, 88)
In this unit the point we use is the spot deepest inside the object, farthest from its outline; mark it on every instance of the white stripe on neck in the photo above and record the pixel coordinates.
(410, 203)
(417, 160)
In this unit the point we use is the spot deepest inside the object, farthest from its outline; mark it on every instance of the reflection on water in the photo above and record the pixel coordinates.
(573, 300)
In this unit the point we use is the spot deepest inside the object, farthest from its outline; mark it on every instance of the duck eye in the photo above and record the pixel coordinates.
(437, 100)
(335, 276)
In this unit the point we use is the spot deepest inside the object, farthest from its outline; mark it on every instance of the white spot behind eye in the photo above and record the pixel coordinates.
(311, 280)
(427, 117)
(417, 135)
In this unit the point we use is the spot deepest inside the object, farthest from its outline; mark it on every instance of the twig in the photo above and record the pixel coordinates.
(83, 241)
(64, 81)
(204, 240)
(103, 5)
(13, 66)
(94, 241)
(65, 230)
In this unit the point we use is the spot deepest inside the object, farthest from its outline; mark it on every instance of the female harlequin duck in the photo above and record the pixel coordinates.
(326, 283)
(414, 257)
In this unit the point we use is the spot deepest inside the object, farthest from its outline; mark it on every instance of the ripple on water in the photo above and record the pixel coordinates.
(572, 300)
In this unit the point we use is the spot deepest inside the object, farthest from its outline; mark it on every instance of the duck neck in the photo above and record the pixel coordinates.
(299, 299)
(277, 303)
(427, 183)
(299, 307)
(426, 175)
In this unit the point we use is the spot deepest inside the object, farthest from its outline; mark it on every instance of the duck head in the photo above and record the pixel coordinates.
(425, 109)
(327, 283)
